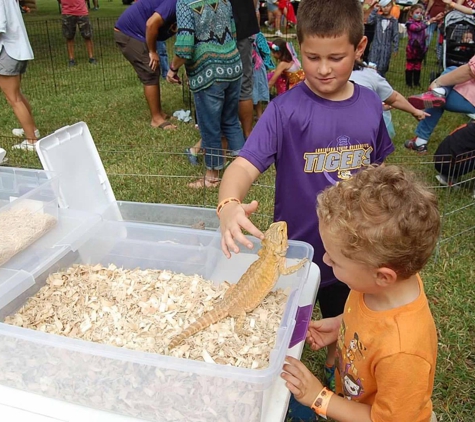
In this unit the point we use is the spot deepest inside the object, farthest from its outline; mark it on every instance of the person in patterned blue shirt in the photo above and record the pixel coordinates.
(206, 45)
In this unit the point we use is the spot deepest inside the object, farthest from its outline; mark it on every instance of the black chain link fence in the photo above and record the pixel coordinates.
(50, 74)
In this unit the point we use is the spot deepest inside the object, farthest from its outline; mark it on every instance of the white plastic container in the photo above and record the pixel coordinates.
(37, 191)
(71, 153)
(26, 196)
(96, 229)
(145, 385)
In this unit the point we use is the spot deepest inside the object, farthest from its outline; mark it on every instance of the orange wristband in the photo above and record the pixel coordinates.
(320, 405)
(225, 202)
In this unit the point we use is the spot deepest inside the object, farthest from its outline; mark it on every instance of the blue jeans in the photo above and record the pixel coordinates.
(217, 110)
(162, 53)
(453, 102)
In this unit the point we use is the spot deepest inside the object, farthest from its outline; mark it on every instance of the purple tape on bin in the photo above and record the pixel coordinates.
(302, 319)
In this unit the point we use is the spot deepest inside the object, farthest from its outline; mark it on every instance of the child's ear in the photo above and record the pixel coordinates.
(361, 47)
(385, 276)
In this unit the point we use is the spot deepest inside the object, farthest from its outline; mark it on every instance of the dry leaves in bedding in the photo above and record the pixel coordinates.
(143, 309)
(19, 228)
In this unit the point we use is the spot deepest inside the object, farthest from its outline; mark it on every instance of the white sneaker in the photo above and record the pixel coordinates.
(25, 145)
(2, 156)
(278, 34)
(20, 133)
(444, 181)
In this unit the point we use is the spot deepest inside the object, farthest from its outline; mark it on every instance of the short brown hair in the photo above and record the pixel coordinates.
(383, 217)
(414, 7)
(330, 18)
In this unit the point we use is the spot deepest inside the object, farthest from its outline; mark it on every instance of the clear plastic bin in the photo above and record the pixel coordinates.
(28, 208)
(163, 214)
(22, 187)
(146, 385)
(71, 153)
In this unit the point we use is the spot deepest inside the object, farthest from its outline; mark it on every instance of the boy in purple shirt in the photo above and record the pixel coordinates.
(316, 134)
(136, 33)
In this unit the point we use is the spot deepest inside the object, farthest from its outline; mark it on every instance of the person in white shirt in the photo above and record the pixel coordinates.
(15, 52)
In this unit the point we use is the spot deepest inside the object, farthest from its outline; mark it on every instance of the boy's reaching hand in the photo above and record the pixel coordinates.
(323, 332)
(234, 218)
(300, 381)
(420, 115)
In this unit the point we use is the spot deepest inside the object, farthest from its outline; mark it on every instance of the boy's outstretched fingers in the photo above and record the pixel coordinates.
(300, 381)
(233, 221)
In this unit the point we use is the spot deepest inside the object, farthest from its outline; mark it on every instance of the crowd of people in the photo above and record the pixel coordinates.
(374, 226)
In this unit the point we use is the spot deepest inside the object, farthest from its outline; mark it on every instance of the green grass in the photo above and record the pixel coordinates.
(148, 165)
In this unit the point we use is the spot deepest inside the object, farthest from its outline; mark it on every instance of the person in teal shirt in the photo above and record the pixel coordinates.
(206, 45)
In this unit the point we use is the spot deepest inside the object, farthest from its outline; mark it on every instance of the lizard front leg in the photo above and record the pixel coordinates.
(240, 317)
(292, 269)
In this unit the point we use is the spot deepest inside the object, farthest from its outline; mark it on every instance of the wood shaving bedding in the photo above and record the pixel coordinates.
(143, 309)
(20, 228)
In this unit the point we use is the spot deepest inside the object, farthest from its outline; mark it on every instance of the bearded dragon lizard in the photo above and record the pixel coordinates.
(252, 287)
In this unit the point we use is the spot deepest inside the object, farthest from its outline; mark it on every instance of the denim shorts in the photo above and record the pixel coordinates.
(11, 67)
(272, 7)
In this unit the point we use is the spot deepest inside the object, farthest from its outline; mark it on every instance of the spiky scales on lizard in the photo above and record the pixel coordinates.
(254, 285)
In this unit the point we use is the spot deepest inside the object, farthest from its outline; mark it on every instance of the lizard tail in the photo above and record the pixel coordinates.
(201, 323)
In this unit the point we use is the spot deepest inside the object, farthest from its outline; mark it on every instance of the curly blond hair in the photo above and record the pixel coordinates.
(383, 217)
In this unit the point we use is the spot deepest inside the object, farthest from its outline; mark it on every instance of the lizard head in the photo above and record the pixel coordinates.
(276, 238)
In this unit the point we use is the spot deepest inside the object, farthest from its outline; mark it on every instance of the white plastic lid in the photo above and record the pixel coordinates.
(71, 153)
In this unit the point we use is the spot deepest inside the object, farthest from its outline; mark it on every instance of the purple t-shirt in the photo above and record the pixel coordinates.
(314, 143)
(134, 20)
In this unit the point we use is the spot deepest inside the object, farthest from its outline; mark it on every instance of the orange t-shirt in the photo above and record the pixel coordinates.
(387, 359)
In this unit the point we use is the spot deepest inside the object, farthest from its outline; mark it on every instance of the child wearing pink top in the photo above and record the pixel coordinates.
(454, 90)
(74, 14)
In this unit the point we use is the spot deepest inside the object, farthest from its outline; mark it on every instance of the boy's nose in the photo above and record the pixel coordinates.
(324, 69)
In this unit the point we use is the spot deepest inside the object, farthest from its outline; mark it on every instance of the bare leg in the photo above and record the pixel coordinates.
(10, 85)
(246, 113)
(259, 111)
(152, 95)
(89, 48)
(331, 354)
(70, 44)
(26, 102)
(270, 19)
(277, 19)
(284, 12)
(195, 149)
(212, 174)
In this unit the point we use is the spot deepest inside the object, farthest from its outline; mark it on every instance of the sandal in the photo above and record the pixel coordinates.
(165, 125)
(204, 182)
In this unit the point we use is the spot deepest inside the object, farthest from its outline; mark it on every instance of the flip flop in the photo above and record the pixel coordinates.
(204, 183)
(166, 124)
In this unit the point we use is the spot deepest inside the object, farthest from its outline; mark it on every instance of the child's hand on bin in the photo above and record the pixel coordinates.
(300, 381)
